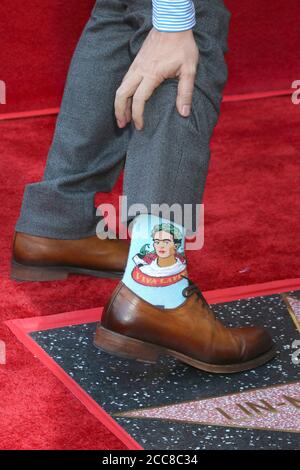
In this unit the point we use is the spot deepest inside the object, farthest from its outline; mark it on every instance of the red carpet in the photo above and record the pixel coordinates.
(252, 227)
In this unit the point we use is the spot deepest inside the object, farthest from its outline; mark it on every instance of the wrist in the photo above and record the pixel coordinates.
(171, 34)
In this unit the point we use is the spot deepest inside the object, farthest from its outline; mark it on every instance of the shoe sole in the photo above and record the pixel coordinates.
(131, 348)
(22, 272)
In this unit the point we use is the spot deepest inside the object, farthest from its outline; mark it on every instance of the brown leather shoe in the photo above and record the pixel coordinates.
(45, 259)
(133, 328)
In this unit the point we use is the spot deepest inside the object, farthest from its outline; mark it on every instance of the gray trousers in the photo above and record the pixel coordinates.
(166, 162)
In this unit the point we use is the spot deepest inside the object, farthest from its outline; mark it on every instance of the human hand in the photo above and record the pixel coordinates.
(163, 55)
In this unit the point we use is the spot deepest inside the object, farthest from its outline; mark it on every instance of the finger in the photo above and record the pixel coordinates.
(185, 92)
(129, 73)
(123, 94)
(142, 94)
(128, 110)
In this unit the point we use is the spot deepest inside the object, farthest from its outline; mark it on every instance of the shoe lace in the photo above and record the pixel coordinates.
(194, 289)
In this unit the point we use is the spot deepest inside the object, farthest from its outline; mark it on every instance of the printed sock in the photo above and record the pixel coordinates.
(156, 261)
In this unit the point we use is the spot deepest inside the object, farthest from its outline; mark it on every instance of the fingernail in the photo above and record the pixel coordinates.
(186, 109)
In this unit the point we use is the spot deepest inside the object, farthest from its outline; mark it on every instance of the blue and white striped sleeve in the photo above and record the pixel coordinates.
(173, 15)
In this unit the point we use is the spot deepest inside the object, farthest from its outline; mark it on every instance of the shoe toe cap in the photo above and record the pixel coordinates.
(256, 341)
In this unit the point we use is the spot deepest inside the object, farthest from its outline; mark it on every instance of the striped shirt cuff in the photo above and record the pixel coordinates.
(173, 15)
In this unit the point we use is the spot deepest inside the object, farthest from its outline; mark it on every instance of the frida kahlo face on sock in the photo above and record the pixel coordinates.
(164, 260)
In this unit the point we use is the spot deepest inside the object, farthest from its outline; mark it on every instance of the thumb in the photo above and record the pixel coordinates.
(185, 93)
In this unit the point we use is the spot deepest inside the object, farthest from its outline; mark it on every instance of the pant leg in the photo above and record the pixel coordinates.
(167, 162)
(88, 149)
